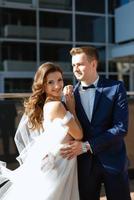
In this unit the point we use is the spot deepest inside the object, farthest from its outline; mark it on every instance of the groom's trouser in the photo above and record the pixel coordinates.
(91, 177)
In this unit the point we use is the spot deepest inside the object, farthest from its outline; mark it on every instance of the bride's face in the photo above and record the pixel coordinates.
(54, 84)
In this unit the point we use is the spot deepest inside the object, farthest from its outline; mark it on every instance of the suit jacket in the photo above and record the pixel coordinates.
(108, 126)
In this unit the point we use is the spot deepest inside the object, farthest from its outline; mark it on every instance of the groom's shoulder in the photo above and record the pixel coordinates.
(111, 82)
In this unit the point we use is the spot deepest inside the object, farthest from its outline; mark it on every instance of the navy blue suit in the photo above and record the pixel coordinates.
(105, 133)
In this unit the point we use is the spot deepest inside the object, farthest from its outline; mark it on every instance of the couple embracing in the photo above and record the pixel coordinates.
(67, 150)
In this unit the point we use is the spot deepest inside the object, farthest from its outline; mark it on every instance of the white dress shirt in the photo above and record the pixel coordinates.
(87, 98)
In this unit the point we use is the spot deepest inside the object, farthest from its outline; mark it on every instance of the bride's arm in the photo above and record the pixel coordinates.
(57, 110)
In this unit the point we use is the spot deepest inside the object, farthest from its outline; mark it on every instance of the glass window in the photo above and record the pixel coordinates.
(19, 51)
(111, 30)
(56, 4)
(96, 6)
(90, 29)
(102, 57)
(112, 66)
(124, 78)
(18, 85)
(19, 1)
(56, 53)
(18, 56)
(113, 4)
(18, 23)
(122, 2)
(55, 26)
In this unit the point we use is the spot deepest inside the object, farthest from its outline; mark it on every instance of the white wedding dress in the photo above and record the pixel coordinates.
(43, 173)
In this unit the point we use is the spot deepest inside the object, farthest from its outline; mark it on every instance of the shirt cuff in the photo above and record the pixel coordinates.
(86, 147)
(89, 148)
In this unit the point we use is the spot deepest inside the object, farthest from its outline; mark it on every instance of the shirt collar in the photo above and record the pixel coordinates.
(94, 83)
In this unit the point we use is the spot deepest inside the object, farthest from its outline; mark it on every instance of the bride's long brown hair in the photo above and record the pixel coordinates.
(34, 104)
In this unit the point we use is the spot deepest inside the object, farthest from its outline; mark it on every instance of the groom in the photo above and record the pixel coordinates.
(102, 109)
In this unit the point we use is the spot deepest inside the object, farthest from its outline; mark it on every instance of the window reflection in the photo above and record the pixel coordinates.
(18, 57)
(96, 6)
(111, 30)
(57, 53)
(90, 29)
(102, 55)
(55, 26)
(18, 23)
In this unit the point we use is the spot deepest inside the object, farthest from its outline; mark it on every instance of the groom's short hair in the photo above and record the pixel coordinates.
(90, 51)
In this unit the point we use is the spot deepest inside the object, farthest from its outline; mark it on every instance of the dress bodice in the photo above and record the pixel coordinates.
(47, 121)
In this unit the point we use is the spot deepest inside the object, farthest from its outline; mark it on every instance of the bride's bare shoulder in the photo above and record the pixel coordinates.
(54, 109)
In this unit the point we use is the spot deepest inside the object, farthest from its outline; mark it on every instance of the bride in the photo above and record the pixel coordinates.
(46, 127)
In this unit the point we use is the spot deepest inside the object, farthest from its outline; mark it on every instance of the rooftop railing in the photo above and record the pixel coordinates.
(25, 95)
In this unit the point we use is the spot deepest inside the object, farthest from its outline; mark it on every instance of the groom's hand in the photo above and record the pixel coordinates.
(74, 148)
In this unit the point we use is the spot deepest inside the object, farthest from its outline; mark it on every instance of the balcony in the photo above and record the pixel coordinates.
(30, 32)
(16, 65)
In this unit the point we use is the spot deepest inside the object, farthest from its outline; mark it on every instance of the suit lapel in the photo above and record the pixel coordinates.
(98, 94)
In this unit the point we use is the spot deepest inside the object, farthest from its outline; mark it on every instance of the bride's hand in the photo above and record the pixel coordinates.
(69, 96)
(68, 90)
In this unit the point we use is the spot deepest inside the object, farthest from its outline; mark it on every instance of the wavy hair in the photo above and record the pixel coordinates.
(34, 104)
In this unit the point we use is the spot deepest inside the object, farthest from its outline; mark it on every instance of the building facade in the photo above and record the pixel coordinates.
(35, 31)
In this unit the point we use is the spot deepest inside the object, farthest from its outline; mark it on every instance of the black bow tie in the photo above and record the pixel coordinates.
(87, 87)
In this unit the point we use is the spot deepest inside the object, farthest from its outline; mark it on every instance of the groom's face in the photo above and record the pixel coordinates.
(83, 69)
